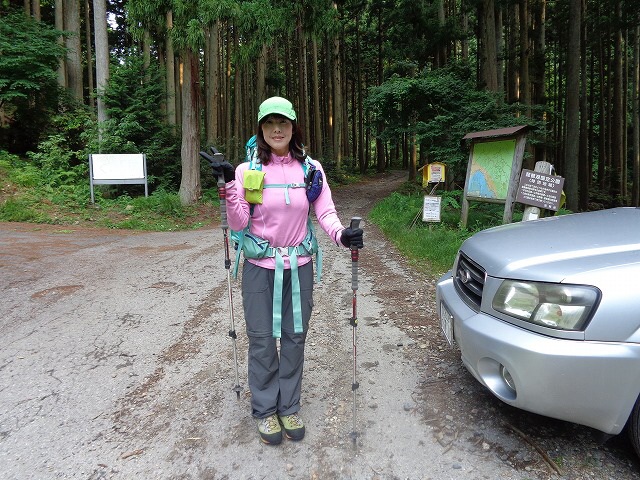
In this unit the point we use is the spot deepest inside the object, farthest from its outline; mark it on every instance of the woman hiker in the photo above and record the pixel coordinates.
(283, 278)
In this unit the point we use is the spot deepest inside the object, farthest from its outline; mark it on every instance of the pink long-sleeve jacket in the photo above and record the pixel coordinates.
(284, 225)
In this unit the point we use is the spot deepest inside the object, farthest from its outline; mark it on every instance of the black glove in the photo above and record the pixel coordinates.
(352, 238)
(219, 166)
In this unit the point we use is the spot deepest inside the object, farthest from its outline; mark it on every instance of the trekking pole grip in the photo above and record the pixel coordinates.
(222, 195)
(355, 223)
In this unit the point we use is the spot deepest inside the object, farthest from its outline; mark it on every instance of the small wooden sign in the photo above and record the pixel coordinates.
(435, 172)
(541, 190)
(432, 173)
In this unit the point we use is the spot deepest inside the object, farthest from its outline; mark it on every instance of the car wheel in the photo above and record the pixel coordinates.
(633, 427)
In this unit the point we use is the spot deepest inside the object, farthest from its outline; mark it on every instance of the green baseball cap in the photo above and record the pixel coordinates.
(276, 105)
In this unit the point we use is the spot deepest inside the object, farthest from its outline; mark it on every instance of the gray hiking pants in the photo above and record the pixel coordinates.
(275, 380)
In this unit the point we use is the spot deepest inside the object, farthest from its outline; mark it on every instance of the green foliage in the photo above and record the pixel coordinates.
(36, 191)
(260, 28)
(161, 211)
(431, 246)
(29, 58)
(13, 210)
(60, 161)
(439, 107)
(133, 98)
(413, 32)
(57, 164)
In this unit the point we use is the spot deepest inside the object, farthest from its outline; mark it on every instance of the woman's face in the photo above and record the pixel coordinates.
(277, 132)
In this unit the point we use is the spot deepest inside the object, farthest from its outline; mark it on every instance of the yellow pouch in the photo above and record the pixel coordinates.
(253, 185)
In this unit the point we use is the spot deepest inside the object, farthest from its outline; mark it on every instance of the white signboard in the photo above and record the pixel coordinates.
(120, 166)
(431, 208)
(114, 169)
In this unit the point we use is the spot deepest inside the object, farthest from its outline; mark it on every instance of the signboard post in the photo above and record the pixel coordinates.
(431, 173)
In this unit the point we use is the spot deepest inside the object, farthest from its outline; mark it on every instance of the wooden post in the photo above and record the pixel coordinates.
(521, 142)
(464, 214)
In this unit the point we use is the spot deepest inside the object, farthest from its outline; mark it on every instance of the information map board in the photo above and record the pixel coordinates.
(493, 170)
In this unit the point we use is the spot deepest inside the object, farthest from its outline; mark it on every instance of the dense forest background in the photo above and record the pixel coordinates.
(376, 83)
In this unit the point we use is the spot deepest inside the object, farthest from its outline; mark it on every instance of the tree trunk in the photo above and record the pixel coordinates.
(584, 166)
(499, 49)
(231, 47)
(525, 87)
(212, 94)
(618, 112)
(538, 95)
(237, 111)
(380, 158)
(102, 55)
(301, 77)
(338, 101)
(359, 117)
(488, 51)
(35, 10)
(87, 41)
(464, 48)
(316, 143)
(413, 156)
(179, 82)
(572, 123)
(261, 76)
(636, 119)
(237, 103)
(441, 52)
(74, 46)
(190, 188)
(511, 88)
(146, 48)
(171, 73)
(59, 23)
(623, 119)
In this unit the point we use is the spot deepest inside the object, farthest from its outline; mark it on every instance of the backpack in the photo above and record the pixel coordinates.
(253, 246)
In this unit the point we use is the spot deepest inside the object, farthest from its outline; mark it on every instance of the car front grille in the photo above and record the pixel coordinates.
(469, 281)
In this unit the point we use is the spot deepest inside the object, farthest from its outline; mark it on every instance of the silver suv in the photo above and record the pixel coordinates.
(546, 315)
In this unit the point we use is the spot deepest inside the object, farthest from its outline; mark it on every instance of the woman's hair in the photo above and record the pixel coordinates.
(295, 145)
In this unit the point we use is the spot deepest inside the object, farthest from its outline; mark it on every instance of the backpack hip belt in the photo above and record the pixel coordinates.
(253, 246)
(279, 253)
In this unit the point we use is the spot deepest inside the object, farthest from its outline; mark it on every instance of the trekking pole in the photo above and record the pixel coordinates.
(222, 195)
(355, 223)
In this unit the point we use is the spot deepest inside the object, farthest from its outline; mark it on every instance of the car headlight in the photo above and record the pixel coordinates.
(565, 307)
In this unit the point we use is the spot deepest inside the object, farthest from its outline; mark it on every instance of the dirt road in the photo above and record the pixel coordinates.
(116, 364)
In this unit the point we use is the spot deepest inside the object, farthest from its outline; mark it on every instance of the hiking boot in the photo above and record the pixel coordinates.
(293, 426)
(269, 429)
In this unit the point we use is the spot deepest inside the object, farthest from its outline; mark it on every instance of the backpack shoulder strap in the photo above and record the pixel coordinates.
(307, 165)
(252, 154)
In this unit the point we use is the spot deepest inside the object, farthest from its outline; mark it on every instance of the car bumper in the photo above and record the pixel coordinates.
(585, 382)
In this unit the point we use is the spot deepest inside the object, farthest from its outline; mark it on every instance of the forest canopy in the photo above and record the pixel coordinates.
(376, 83)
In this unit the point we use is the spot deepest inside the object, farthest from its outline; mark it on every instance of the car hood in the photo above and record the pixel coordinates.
(555, 249)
